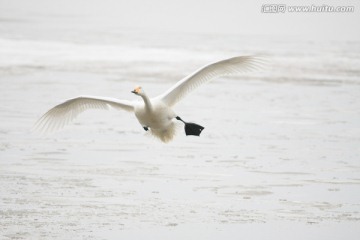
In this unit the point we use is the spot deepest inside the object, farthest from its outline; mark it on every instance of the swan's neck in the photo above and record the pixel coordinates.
(147, 102)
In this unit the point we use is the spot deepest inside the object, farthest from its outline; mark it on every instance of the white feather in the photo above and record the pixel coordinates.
(62, 114)
(214, 70)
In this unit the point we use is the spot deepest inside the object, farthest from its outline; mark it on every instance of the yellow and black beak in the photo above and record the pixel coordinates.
(136, 90)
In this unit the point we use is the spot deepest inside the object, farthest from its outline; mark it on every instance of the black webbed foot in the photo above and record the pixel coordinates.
(191, 128)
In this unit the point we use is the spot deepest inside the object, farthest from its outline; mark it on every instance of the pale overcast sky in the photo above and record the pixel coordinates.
(203, 16)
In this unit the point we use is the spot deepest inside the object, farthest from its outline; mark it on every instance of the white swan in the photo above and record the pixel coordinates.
(154, 114)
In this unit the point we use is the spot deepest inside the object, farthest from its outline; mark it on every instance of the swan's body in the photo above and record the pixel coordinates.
(157, 116)
(155, 113)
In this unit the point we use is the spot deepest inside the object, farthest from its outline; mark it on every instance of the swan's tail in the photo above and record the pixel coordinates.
(165, 135)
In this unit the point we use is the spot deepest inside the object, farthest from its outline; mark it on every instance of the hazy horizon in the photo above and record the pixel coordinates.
(216, 17)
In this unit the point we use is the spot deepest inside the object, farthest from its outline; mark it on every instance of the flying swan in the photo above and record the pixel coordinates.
(154, 114)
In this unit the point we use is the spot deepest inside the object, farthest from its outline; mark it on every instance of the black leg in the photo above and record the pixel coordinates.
(178, 118)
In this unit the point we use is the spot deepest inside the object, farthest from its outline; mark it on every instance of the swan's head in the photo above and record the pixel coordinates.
(138, 91)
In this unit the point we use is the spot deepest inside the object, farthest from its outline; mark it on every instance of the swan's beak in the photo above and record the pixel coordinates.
(136, 90)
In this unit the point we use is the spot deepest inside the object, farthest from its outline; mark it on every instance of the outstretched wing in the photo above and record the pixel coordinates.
(208, 72)
(62, 114)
